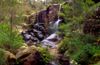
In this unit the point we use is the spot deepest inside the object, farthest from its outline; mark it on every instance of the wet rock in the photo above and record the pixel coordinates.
(54, 39)
(31, 33)
(41, 28)
(35, 35)
(29, 42)
(35, 31)
(27, 36)
(40, 35)
(50, 41)
(34, 41)
(24, 32)
(28, 55)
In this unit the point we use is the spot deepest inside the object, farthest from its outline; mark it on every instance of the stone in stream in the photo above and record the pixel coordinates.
(35, 31)
(49, 41)
(41, 28)
(32, 34)
(27, 36)
(39, 35)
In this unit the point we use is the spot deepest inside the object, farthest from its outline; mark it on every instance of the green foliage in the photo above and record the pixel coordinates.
(81, 47)
(11, 12)
(8, 41)
(3, 61)
(45, 55)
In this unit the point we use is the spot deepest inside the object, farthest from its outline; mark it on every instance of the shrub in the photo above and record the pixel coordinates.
(10, 41)
(3, 61)
(46, 57)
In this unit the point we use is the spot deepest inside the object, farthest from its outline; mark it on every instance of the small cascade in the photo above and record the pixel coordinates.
(55, 25)
(59, 11)
(53, 39)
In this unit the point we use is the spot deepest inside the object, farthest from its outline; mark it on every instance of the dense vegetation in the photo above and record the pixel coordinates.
(80, 46)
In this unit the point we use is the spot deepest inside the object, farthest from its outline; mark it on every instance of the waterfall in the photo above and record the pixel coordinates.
(55, 25)
(59, 11)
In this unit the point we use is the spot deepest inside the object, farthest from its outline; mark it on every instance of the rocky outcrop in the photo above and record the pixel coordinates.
(28, 55)
(48, 16)
(8, 57)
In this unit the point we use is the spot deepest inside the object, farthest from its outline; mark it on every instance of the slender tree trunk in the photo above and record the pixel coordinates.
(11, 24)
(73, 10)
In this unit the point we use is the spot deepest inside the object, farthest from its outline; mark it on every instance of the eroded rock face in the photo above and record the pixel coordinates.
(28, 55)
(48, 16)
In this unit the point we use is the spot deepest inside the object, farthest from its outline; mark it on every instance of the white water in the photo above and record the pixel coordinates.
(59, 11)
(55, 25)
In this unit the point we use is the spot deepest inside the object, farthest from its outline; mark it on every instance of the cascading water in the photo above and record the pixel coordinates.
(55, 26)
(59, 11)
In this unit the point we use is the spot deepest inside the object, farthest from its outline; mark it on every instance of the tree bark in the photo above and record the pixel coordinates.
(11, 24)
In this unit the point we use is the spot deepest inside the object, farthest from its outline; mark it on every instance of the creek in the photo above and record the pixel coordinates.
(37, 34)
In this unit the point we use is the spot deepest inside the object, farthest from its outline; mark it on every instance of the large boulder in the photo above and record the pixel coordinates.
(28, 55)
(7, 57)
